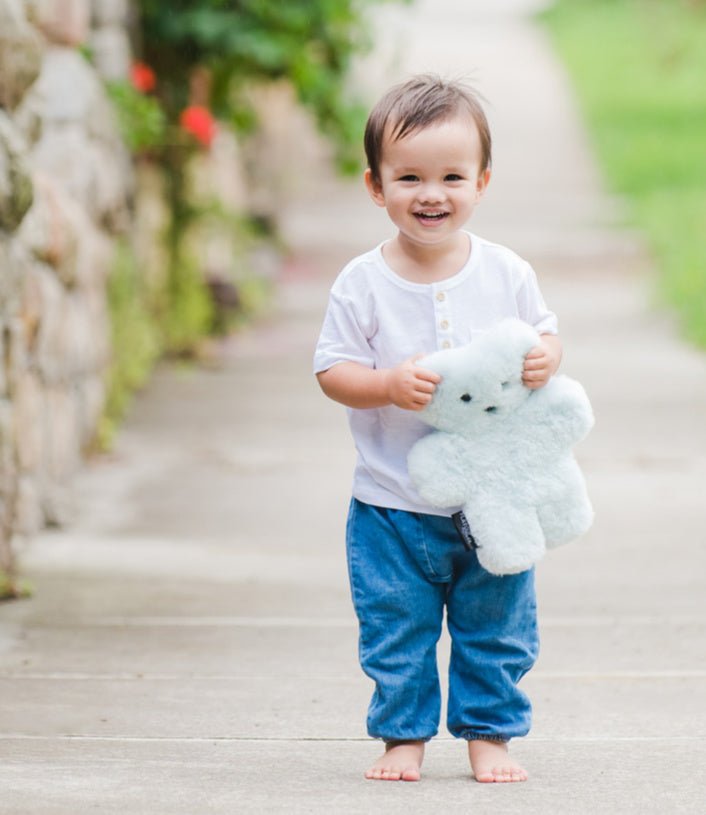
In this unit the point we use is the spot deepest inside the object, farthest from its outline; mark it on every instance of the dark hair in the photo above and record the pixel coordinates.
(417, 103)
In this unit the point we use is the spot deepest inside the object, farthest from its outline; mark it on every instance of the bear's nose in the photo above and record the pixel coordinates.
(491, 409)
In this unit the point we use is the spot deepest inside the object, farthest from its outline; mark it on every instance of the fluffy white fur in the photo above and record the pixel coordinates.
(505, 453)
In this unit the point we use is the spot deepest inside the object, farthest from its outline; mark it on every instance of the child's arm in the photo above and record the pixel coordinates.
(408, 385)
(542, 362)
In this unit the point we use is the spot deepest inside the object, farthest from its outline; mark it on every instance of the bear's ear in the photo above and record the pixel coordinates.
(447, 362)
(516, 336)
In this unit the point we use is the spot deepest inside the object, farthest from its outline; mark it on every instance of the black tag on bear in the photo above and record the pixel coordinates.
(464, 530)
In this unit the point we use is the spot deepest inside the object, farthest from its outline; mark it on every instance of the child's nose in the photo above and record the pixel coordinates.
(432, 194)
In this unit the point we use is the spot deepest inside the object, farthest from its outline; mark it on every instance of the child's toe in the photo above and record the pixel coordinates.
(411, 774)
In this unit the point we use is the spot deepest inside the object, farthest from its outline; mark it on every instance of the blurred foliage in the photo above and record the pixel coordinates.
(141, 119)
(191, 312)
(200, 60)
(13, 589)
(135, 340)
(308, 42)
(640, 69)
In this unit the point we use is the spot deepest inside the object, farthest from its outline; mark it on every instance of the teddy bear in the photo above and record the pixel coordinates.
(503, 452)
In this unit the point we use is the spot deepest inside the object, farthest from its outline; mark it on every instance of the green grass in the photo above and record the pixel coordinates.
(639, 67)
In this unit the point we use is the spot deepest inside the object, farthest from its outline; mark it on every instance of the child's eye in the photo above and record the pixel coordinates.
(409, 178)
(453, 177)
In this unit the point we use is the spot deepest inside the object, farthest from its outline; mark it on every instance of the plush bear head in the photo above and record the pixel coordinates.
(482, 381)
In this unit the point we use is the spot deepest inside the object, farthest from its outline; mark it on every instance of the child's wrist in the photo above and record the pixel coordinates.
(386, 385)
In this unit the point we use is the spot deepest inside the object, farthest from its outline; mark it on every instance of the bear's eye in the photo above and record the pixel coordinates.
(466, 397)
(504, 385)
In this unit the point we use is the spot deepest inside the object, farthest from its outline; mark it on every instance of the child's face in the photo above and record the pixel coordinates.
(431, 180)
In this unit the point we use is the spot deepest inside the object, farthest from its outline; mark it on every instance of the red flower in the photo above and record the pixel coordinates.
(198, 121)
(142, 77)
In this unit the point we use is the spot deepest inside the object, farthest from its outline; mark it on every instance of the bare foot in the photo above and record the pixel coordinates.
(401, 761)
(490, 762)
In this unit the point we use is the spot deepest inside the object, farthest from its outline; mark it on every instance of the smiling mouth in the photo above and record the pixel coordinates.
(431, 217)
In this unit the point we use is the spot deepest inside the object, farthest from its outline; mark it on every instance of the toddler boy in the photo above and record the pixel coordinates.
(432, 286)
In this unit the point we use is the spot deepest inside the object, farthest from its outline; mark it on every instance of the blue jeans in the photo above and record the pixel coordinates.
(404, 568)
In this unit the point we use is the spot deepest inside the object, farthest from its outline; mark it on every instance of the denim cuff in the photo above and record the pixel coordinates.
(393, 742)
(469, 736)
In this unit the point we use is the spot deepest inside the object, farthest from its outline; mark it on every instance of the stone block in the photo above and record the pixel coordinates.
(111, 178)
(60, 154)
(66, 22)
(31, 308)
(7, 445)
(72, 340)
(76, 338)
(8, 466)
(91, 402)
(98, 328)
(21, 260)
(112, 56)
(47, 357)
(58, 503)
(63, 362)
(16, 359)
(28, 422)
(66, 88)
(52, 227)
(94, 260)
(15, 182)
(61, 449)
(61, 442)
(110, 12)
(102, 126)
(69, 91)
(8, 276)
(28, 118)
(3, 372)
(94, 174)
(20, 53)
(28, 511)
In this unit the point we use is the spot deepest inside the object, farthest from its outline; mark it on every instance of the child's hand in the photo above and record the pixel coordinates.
(541, 363)
(409, 386)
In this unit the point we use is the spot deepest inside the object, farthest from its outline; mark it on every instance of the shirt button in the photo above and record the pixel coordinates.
(444, 324)
(441, 296)
(445, 344)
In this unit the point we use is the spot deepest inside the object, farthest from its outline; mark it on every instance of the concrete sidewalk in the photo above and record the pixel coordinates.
(191, 647)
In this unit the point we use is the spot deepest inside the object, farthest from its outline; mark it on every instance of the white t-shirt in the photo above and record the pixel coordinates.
(379, 319)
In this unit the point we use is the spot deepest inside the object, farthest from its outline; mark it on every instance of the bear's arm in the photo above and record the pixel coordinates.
(436, 467)
(562, 407)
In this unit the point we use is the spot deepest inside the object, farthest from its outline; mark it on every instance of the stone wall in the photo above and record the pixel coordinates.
(65, 185)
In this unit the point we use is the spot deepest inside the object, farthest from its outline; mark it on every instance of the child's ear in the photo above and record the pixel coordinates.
(374, 187)
(482, 183)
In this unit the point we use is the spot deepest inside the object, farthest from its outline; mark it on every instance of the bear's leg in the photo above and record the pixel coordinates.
(566, 517)
(509, 538)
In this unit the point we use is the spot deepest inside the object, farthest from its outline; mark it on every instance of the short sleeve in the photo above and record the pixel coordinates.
(343, 336)
(531, 306)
